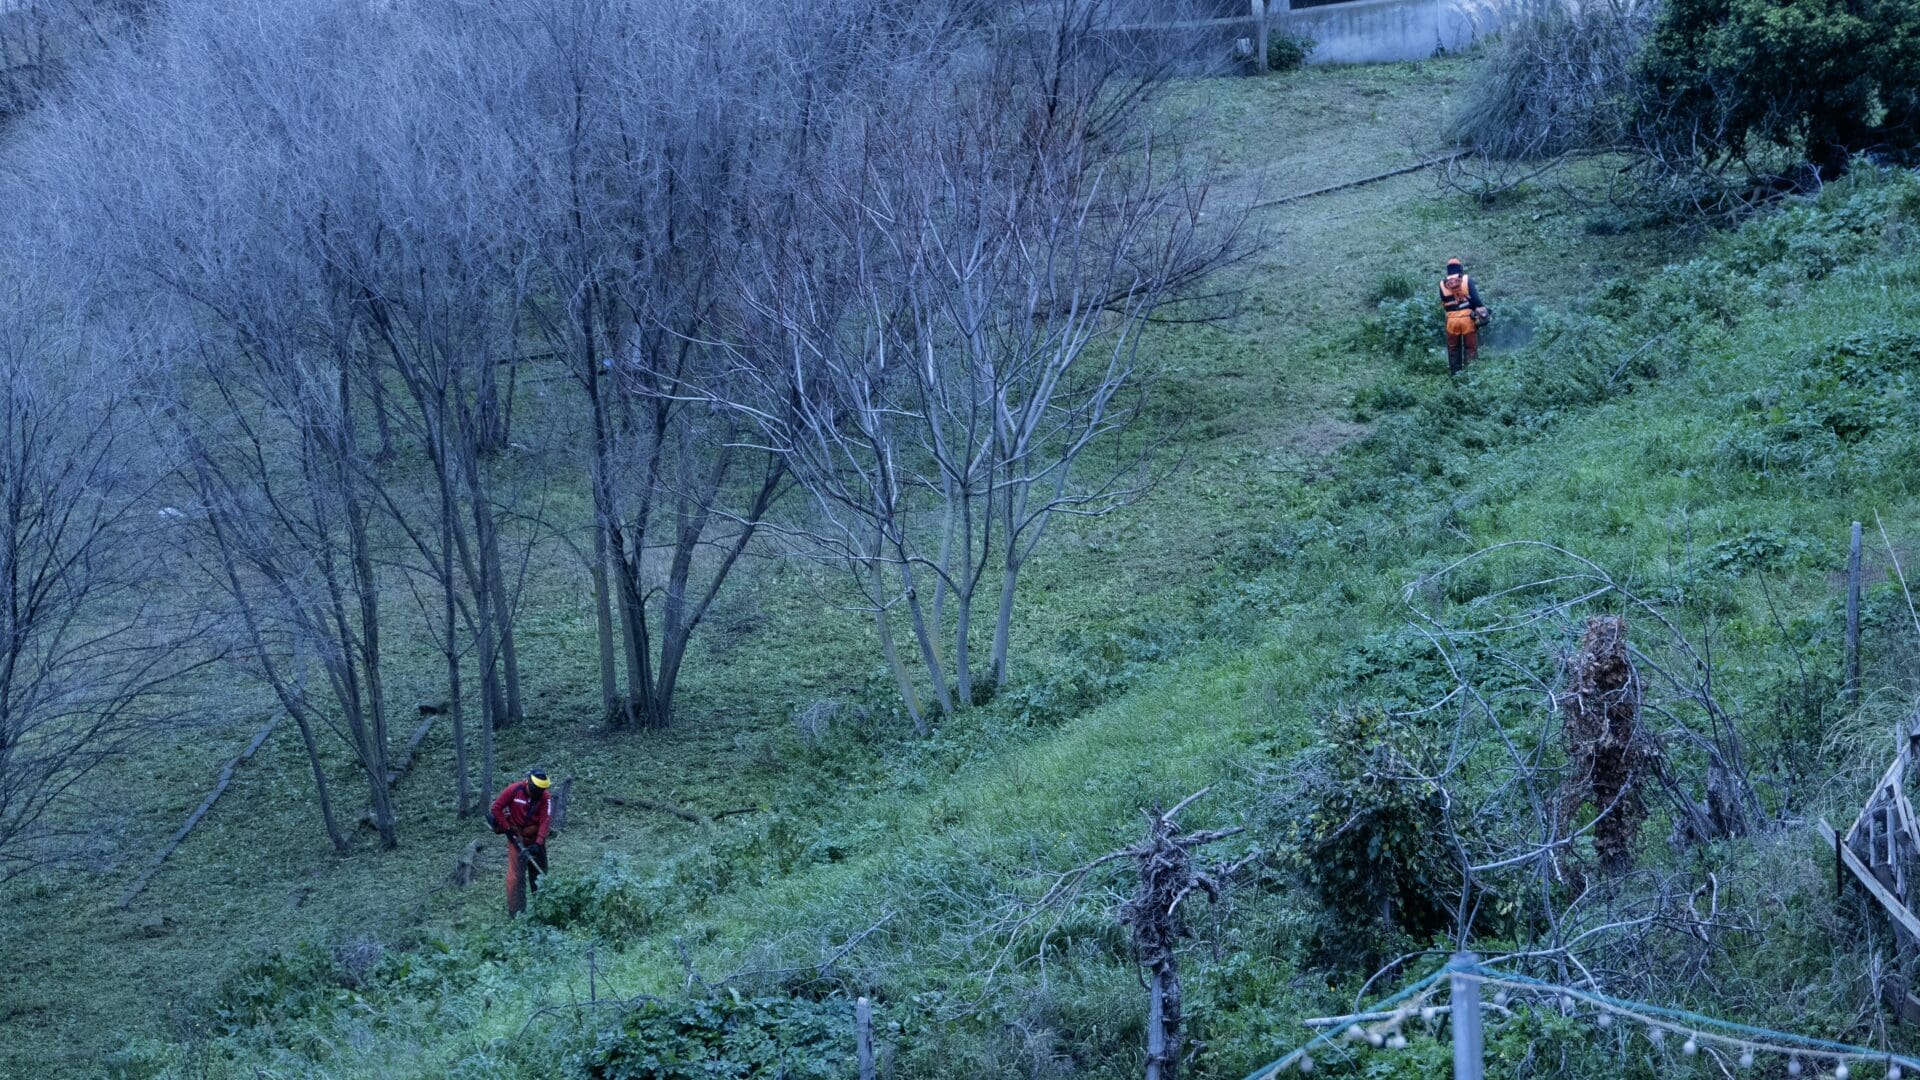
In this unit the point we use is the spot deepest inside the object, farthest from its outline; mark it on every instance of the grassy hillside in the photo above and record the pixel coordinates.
(1682, 426)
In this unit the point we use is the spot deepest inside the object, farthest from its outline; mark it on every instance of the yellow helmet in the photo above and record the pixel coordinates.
(539, 779)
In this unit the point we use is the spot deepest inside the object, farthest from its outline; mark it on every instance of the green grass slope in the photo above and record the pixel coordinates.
(1708, 427)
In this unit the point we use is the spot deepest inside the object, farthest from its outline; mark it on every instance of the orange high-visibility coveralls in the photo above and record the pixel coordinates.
(1463, 335)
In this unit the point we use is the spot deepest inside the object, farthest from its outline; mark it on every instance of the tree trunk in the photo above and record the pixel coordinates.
(962, 653)
(375, 691)
(607, 550)
(509, 656)
(486, 579)
(1003, 624)
(334, 835)
(901, 675)
(366, 590)
(633, 617)
(673, 651)
(482, 616)
(929, 649)
(489, 671)
(450, 624)
(293, 699)
(1159, 1063)
(295, 704)
(456, 708)
(967, 590)
(603, 626)
(381, 420)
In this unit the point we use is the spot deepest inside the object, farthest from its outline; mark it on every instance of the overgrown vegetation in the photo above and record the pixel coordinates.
(1715, 553)
(1316, 678)
(1826, 80)
(1705, 107)
(1560, 82)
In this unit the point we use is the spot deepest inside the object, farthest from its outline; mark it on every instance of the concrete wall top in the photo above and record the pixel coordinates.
(1374, 31)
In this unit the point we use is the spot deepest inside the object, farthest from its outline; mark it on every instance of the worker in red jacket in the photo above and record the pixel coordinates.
(522, 812)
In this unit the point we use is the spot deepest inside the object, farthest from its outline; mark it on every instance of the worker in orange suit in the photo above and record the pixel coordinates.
(1466, 314)
(522, 813)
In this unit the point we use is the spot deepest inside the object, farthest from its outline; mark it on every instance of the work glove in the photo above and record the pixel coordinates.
(538, 853)
(494, 823)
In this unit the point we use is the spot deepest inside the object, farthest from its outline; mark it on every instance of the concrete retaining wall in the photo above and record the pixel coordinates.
(1370, 31)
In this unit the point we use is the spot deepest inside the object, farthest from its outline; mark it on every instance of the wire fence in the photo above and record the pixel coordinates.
(1383, 1025)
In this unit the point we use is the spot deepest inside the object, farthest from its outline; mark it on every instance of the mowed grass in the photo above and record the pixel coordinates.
(1258, 404)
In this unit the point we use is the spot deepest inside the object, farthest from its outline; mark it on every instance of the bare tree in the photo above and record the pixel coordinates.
(207, 185)
(88, 649)
(440, 284)
(950, 330)
(633, 224)
(42, 40)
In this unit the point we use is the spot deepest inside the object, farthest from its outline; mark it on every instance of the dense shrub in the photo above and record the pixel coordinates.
(726, 1037)
(1393, 285)
(1288, 52)
(297, 984)
(1411, 327)
(610, 902)
(1098, 664)
(1386, 395)
(1824, 78)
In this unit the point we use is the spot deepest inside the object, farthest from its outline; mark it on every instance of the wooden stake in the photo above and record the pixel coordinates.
(1853, 618)
(1468, 1063)
(863, 1029)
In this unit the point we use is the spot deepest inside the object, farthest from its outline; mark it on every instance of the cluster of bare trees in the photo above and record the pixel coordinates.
(41, 41)
(86, 655)
(947, 337)
(864, 280)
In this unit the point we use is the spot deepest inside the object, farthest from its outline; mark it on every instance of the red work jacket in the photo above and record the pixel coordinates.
(526, 810)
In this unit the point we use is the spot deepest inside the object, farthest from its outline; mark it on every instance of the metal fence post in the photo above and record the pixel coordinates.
(1467, 1060)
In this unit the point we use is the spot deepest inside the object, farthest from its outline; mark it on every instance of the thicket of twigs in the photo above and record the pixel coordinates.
(1555, 84)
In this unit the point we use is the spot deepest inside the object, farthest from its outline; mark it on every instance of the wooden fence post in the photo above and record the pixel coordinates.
(1260, 36)
(1467, 1060)
(863, 1028)
(1853, 618)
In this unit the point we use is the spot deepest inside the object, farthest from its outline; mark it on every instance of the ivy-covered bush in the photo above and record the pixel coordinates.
(1288, 52)
(1370, 845)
